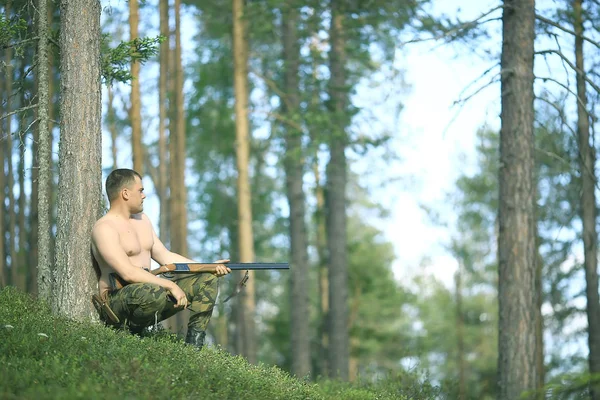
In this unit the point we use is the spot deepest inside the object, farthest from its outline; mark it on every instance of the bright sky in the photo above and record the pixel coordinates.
(436, 140)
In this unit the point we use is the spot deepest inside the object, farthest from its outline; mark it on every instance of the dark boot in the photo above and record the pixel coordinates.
(195, 337)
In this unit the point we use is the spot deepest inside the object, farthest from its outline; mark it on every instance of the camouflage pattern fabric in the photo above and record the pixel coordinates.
(139, 305)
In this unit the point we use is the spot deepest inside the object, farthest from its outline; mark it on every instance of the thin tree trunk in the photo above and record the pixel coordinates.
(242, 134)
(112, 126)
(516, 241)
(539, 321)
(3, 153)
(321, 234)
(12, 214)
(460, 335)
(336, 200)
(44, 156)
(294, 169)
(587, 162)
(178, 191)
(162, 118)
(135, 110)
(10, 179)
(178, 154)
(321, 239)
(80, 151)
(21, 260)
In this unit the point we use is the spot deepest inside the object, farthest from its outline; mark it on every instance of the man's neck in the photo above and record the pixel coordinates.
(119, 211)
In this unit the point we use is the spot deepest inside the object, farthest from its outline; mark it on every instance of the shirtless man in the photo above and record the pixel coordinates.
(123, 243)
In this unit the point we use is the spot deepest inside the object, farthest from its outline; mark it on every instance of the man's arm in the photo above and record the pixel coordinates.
(111, 253)
(162, 256)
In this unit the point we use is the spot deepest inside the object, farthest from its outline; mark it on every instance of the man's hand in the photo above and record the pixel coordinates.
(179, 295)
(221, 269)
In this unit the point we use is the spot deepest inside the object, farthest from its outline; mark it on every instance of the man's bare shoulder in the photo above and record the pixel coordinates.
(103, 226)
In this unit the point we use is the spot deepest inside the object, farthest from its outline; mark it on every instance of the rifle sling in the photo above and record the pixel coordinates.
(238, 287)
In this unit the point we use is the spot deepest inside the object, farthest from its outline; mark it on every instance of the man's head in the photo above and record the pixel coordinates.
(126, 185)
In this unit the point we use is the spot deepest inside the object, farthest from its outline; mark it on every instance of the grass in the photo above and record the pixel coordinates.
(47, 357)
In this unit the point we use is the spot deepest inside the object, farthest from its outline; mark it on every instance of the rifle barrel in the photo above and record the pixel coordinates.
(252, 266)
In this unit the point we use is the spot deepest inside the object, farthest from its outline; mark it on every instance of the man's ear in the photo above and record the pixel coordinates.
(125, 194)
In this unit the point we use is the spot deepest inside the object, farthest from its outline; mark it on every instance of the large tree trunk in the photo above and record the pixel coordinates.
(80, 152)
(336, 200)
(242, 135)
(44, 157)
(516, 241)
(162, 119)
(294, 169)
(135, 109)
(587, 162)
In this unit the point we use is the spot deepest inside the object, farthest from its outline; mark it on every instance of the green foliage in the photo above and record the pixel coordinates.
(42, 356)
(115, 61)
(570, 386)
(11, 30)
(380, 330)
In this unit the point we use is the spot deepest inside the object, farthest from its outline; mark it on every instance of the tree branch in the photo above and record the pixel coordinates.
(458, 28)
(564, 121)
(494, 79)
(20, 110)
(273, 86)
(567, 30)
(11, 45)
(570, 64)
(283, 119)
(547, 78)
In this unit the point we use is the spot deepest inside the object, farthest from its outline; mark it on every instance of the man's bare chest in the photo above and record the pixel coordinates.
(135, 238)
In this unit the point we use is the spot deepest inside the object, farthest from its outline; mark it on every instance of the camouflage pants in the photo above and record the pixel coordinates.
(139, 305)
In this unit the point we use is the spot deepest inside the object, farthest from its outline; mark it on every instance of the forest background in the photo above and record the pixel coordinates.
(407, 128)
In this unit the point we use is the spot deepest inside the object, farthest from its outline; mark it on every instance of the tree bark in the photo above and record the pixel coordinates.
(294, 170)
(135, 110)
(336, 200)
(516, 241)
(242, 134)
(80, 152)
(44, 156)
(587, 162)
(162, 118)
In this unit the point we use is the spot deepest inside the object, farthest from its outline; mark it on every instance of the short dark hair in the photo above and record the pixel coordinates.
(118, 179)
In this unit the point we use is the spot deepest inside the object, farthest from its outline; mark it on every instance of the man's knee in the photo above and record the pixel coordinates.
(150, 296)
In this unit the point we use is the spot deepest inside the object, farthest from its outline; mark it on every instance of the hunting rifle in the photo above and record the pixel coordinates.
(195, 268)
